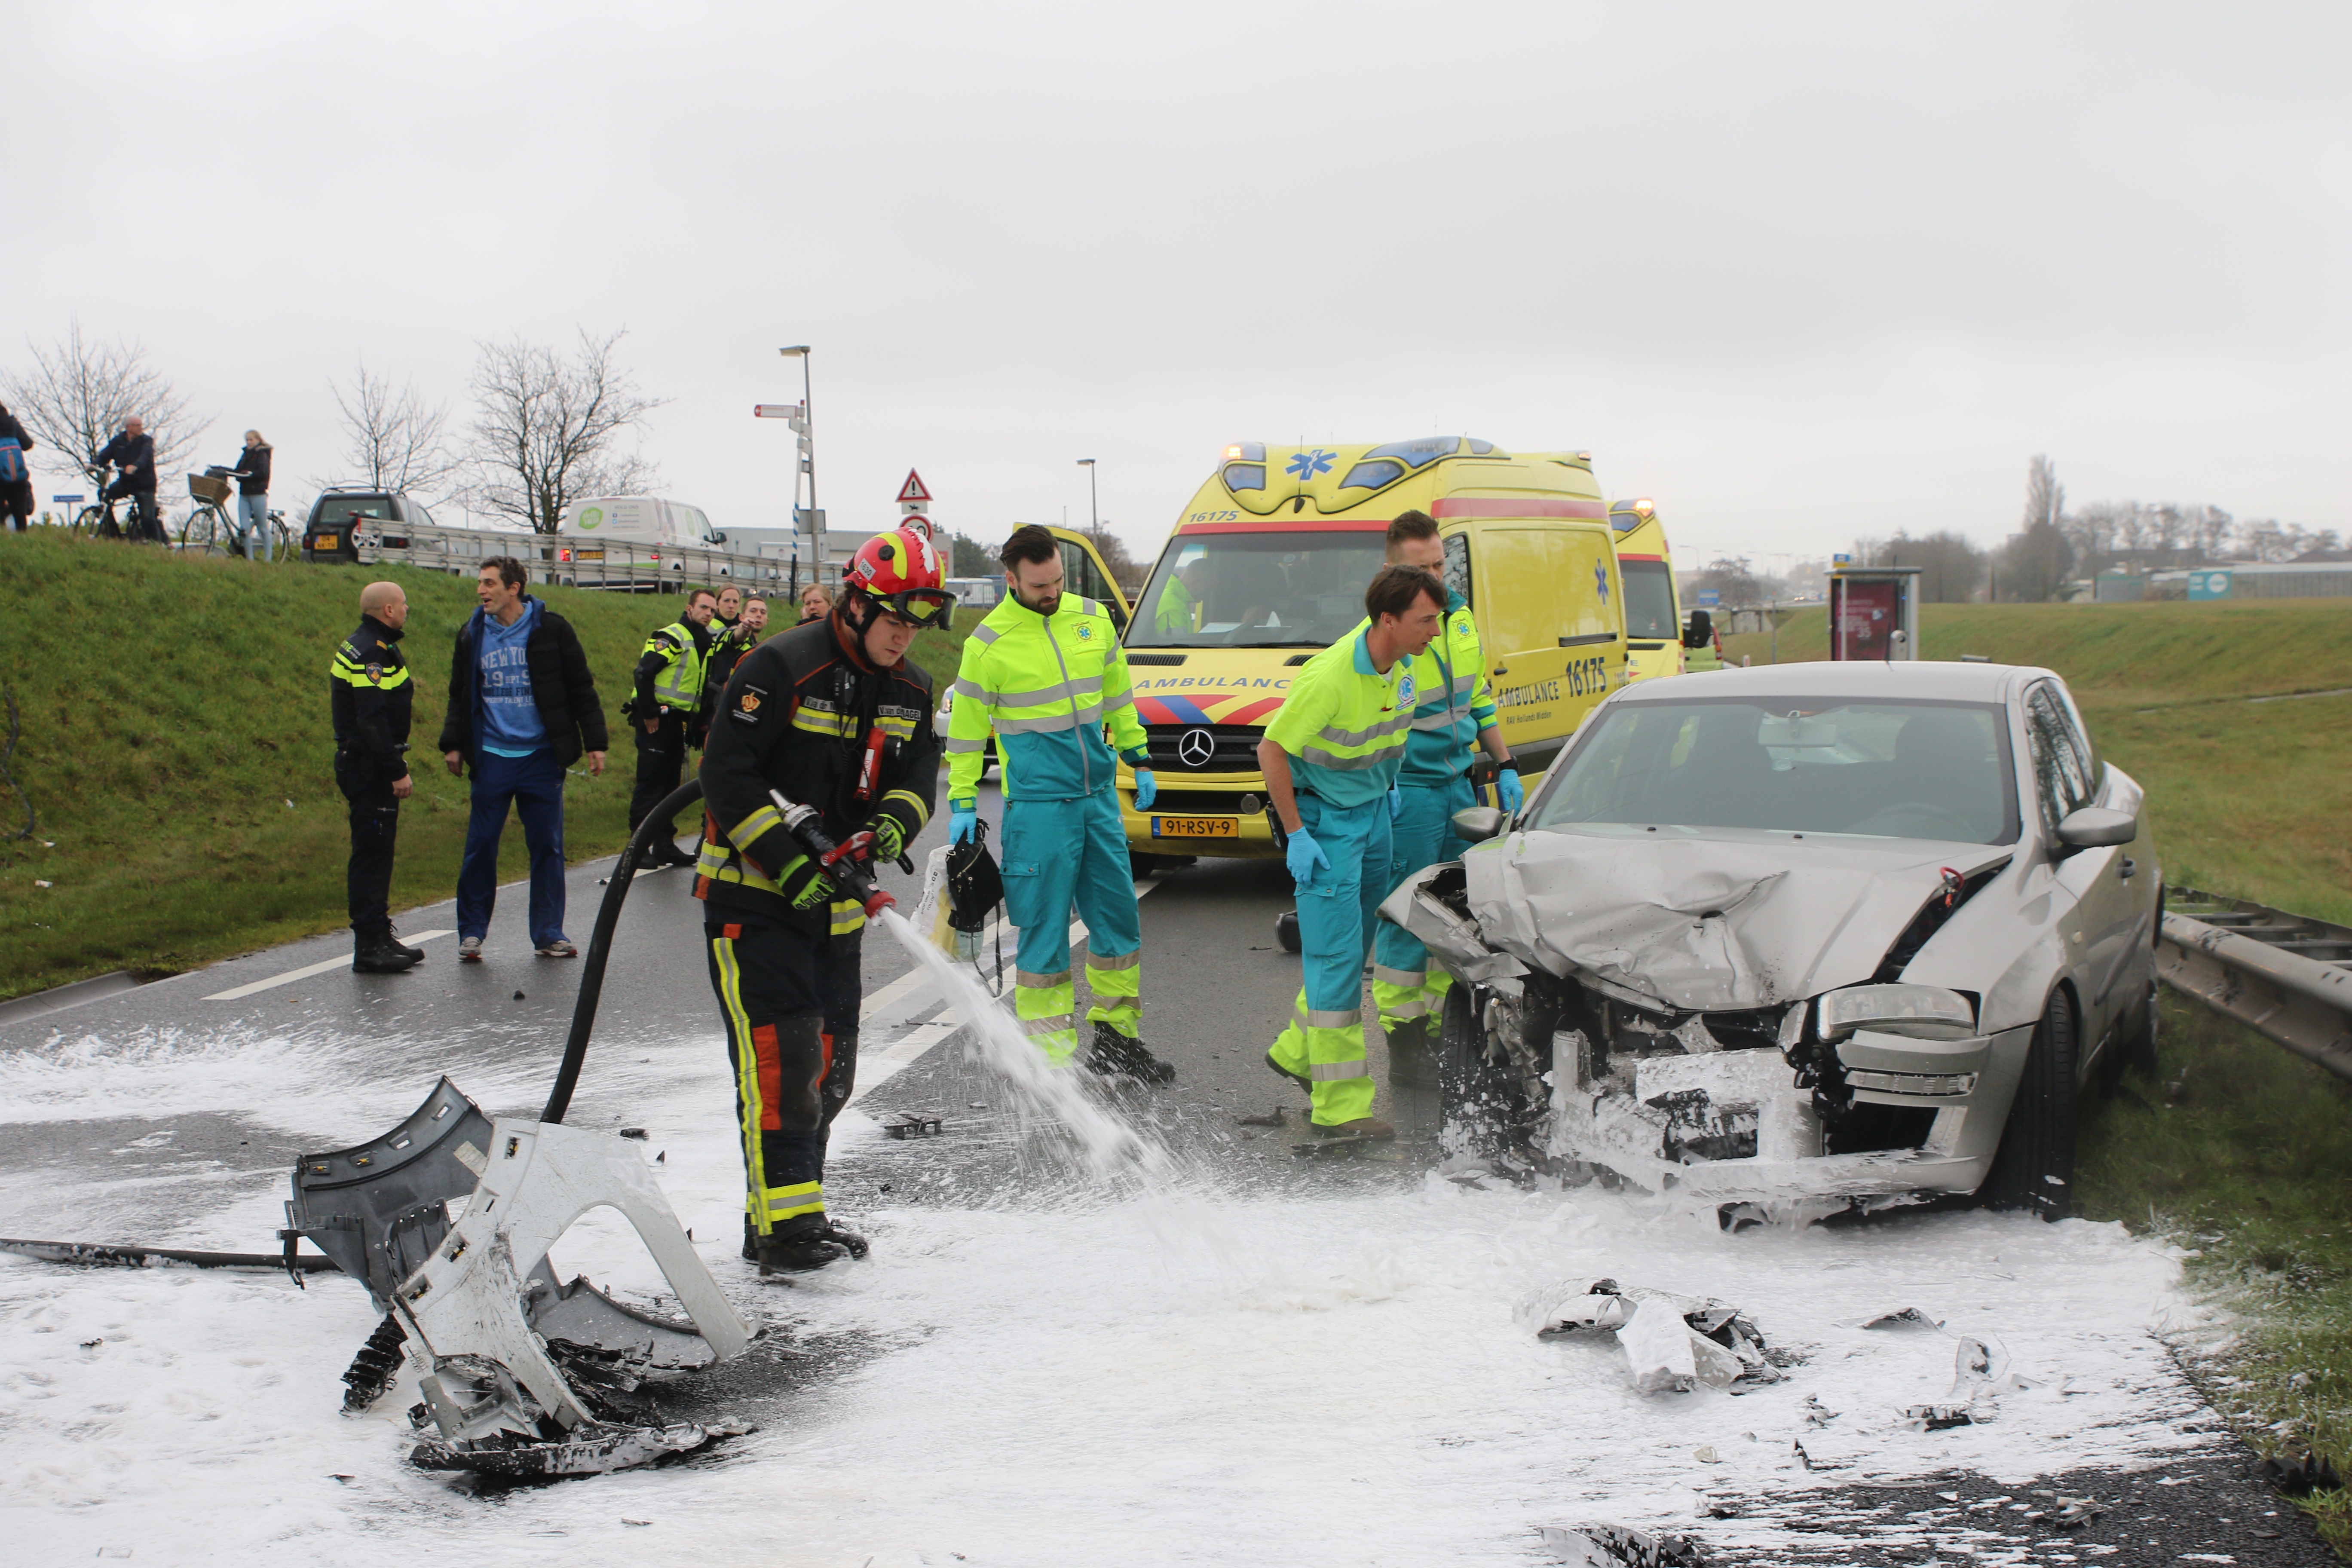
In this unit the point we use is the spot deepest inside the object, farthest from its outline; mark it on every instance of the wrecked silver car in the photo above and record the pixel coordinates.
(1794, 940)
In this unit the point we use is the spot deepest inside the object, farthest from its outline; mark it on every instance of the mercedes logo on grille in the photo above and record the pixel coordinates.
(1194, 747)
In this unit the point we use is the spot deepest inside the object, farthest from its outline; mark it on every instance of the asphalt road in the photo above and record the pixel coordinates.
(123, 1166)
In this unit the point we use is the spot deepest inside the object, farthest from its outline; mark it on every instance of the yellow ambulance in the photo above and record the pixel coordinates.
(1269, 562)
(1654, 611)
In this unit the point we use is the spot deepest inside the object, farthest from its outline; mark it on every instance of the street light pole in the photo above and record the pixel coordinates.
(1094, 510)
(806, 426)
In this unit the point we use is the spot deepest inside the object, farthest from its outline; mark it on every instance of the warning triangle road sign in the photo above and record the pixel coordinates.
(913, 488)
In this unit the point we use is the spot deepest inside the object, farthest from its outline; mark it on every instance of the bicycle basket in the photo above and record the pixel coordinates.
(203, 487)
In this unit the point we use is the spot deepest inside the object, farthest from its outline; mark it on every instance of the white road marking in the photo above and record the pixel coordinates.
(291, 976)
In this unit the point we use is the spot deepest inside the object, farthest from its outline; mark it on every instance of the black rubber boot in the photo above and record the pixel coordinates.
(1114, 1055)
(1299, 1079)
(377, 954)
(1411, 1059)
(806, 1243)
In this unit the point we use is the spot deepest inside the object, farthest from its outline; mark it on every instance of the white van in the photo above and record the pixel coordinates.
(619, 542)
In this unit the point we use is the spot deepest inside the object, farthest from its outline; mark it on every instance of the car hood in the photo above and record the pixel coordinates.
(1708, 923)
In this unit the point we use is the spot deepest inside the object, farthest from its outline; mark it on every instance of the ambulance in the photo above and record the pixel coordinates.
(1268, 563)
(1654, 613)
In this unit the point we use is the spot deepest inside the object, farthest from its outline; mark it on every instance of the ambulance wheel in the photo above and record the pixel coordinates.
(1285, 930)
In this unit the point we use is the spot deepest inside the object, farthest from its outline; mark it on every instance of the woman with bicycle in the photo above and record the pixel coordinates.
(252, 474)
(15, 475)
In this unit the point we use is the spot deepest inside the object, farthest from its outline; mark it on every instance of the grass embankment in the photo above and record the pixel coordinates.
(176, 745)
(2236, 1148)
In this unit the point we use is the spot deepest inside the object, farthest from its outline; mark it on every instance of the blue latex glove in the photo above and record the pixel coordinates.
(1396, 803)
(1514, 793)
(963, 821)
(1303, 856)
(1147, 789)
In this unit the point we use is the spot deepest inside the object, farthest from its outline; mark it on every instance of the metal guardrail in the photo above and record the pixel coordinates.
(563, 560)
(2285, 976)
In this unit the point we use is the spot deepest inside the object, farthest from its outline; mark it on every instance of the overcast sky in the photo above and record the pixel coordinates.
(1797, 272)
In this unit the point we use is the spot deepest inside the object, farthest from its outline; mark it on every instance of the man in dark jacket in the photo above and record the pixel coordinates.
(369, 693)
(132, 453)
(522, 709)
(833, 716)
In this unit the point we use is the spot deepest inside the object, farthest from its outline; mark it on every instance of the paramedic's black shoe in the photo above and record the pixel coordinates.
(1116, 1056)
(377, 954)
(801, 1244)
(1301, 1079)
(1411, 1058)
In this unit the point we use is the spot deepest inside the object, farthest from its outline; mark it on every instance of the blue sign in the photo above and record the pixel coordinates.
(67, 500)
(2208, 584)
(1709, 597)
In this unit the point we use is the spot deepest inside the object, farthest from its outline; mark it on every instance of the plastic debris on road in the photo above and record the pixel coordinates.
(1613, 1546)
(1673, 1344)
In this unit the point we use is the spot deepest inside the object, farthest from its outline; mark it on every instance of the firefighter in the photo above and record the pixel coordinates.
(668, 709)
(369, 692)
(1330, 756)
(1046, 671)
(1455, 708)
(833, 716)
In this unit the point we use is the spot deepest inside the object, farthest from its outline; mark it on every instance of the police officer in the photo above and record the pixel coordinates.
(369, 693)
(1046, 671)
(1330, 758)
(667, 711)
(831, 715)
(1455, 707)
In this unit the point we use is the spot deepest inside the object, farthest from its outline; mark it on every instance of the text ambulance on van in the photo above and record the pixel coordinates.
(1269, 563)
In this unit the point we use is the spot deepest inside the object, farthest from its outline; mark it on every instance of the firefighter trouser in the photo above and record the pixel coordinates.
(1403, 986)
(661, 764)
(790, 1000)
(375, 832)
(1060, 853)
(1325, 1041)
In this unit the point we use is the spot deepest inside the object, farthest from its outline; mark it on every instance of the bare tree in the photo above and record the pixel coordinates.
(545, 427)
(79, 393)
(395, 441)
(1950, 567)
(2045, 498)
(2210, 528)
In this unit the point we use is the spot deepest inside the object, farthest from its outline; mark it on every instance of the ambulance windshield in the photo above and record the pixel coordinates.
(1270, 589)
(1649, 600)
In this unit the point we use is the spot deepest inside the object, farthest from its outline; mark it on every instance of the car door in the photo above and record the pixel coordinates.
(2098, 914)
(1083, 572)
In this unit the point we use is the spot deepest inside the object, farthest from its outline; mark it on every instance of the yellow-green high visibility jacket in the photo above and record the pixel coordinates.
(1454, 703)
(1344, 722)
(669, 673)
(1046, 685)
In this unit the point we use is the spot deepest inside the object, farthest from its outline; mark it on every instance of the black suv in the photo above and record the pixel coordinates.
(342, 512)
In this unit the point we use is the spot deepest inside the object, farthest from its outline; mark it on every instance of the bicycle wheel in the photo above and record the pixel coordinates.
(85, 522)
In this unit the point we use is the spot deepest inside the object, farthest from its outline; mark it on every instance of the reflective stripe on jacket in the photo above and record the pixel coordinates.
(1455, 702)
(677, 685)
(1344, 723)
(1046, 685)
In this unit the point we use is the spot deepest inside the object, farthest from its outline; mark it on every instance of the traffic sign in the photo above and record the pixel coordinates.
(775, 411)
(913, 488)
(67, 500)
(920, 524)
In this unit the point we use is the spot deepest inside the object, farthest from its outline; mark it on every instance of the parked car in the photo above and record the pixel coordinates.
(1803, 938)
(344, 516)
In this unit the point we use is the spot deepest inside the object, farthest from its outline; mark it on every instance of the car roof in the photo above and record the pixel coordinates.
(1933, 679)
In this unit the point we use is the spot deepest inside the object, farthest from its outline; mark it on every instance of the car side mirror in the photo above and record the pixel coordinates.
(2091, 825)
(718, 536)
(1700, 631)
(1477, 824)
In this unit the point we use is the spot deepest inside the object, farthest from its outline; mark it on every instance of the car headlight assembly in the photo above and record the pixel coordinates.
(1919, 1012)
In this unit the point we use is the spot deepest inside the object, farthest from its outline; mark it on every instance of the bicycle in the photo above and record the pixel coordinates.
(97, 520)
(208, 530)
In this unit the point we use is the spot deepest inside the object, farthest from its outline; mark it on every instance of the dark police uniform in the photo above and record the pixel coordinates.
(804, 714)
(371, 694)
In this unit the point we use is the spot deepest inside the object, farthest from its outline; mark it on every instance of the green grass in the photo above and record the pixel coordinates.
(2241, 1152)
(177, 748)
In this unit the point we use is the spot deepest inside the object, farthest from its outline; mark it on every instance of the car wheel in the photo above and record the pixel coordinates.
(1285, 930)
(1477, 1097)
(2034, 1169)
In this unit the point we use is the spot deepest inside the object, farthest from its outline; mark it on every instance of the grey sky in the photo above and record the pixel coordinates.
(1797, 271)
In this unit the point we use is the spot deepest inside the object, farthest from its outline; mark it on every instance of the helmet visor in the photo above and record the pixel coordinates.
(927, 608)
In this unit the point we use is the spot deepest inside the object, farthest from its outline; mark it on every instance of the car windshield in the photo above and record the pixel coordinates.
(1649, 600)
(336, 511)
(1886, 770)
(1302, 589)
